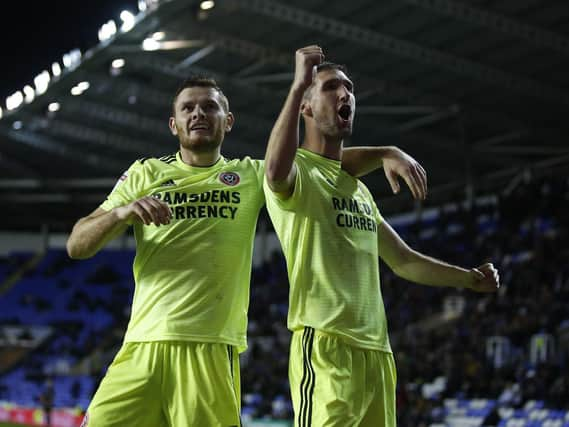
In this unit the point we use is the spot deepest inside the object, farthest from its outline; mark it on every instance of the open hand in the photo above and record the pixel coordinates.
(396, 164)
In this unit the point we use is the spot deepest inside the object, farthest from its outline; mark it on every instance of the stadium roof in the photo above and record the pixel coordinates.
(476, 90)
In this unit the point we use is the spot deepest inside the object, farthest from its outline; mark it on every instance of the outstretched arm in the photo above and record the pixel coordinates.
(93, 232)
(359, 161)
(416, 267)
(283, 142)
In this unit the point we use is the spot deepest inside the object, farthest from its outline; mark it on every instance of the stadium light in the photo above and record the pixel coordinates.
(72, 58)
(17, 125)
(118, 63)
(128, 21)
(141, 5)
(207, 5)
(14, 100)
(150, 44)
(159, 35)
(79, 88)
(53, 107)
(29, 94)
(56, 69)
(83, 86)
(107, 30)
(41, 82)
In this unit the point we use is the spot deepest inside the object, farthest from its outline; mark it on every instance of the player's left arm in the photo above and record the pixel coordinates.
(359, 161)
(419, 268)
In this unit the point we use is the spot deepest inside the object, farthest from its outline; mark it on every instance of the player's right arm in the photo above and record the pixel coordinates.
(280, 170)
(93, 232)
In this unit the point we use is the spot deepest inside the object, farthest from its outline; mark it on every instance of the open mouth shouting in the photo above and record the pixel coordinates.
(345, 114)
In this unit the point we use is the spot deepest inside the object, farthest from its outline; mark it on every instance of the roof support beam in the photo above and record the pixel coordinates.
(428, 119)
(369, 86)
(75, 183)
(500, 139)
(264, 55)
(161, 99)
(49, 145)
(196, 57)
(119, 116)
(59, 127)
(512, 27)
(403, 48)
(270, 78)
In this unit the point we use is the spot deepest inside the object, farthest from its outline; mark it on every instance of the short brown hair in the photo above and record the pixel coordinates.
(200, 81)
(323, 67)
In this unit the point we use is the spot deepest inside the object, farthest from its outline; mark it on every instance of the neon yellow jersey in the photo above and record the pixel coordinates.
(328, 232)
(192, 276)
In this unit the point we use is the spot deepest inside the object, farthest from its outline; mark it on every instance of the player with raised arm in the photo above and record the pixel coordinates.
(341, 370)
(194, 215)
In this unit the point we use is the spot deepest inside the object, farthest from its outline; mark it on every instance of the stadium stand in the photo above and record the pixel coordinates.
(463, 359)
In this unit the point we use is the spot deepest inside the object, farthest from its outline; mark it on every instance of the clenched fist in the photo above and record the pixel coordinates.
(147, 210)
(306, 59)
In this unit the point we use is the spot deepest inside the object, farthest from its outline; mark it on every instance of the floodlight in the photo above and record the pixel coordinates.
(207, 4)
(56, 69)
(41, 82)
(14, 100)
(128, 21)
(150, 44)
(29, 94)
(118, 63)
(83, 86)
(53, 107)
(107, 30)
(72, 58)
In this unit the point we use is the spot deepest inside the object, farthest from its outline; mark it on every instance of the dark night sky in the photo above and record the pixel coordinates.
(33, 34)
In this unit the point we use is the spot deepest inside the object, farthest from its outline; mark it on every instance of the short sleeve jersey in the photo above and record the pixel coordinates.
(192, 276)
(328, 232)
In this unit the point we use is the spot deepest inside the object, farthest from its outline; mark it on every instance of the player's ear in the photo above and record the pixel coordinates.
(172, 126)
(230, 120)
(306, 108)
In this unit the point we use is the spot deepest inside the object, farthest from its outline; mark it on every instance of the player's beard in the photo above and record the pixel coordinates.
(332, 130)
(205, 144)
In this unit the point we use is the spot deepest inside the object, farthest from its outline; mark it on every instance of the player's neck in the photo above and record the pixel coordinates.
(200, 159)
(318, 143)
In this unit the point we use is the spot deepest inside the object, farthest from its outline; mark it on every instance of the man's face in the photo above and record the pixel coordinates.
(200, 120)
(332, 103)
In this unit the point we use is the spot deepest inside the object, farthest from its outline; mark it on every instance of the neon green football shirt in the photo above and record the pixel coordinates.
(328, 232)
(192, 276)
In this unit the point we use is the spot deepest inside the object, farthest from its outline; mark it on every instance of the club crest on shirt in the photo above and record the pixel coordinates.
(123, 178)
(229, 178)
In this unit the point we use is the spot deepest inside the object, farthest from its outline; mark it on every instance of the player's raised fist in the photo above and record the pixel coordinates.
(306, 59)
(487, 278)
